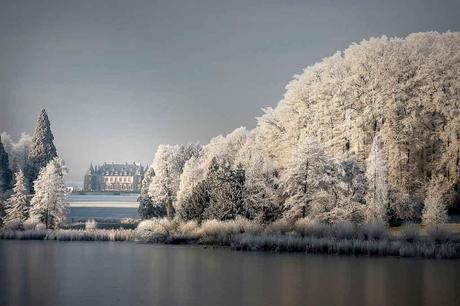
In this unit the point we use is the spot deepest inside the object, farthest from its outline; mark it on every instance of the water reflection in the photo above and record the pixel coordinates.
(91, 273)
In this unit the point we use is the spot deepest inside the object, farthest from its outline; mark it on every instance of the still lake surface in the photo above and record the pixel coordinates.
(106, 273)
(103, 206)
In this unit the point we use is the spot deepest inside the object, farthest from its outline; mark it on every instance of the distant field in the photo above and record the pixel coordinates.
(103, 206)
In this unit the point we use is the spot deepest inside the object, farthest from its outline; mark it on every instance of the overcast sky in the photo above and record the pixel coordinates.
(120, 77)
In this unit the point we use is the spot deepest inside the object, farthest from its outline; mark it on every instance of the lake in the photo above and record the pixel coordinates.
(104, 273)
(103, 206)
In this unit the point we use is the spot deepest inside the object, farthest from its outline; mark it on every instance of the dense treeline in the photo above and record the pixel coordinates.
(35, 195)
(368, 135)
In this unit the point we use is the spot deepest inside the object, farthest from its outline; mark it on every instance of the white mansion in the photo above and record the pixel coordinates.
(114, 177)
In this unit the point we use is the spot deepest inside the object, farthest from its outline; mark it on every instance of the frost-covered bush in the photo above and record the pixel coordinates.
(91, 225)
(280, 226)
(225, 228)
(40, 226)
(189, 229)
(156, 229)
(129, 221)
(14, 224)
(30, 224)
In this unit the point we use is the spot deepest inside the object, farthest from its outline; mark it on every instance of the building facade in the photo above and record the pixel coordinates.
(114, 177)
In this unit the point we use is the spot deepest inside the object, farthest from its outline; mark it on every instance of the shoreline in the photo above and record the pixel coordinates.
(291, 242)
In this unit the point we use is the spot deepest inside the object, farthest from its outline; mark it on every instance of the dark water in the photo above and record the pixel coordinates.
(102, 273)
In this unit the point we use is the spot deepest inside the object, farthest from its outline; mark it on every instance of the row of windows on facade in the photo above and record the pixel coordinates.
(114, 179)
(117, 173)
(117, 186)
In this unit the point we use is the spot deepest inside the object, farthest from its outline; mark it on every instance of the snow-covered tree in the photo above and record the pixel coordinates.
(435, 209)
(49, 203)
(43, 149)
(147, 208)
(18, 152)
(168, 164)
(197, 203)
(221, 150)
(17, 205)
(405, 89)
(226, 191)
(377, 199)
(262, 195)
(2, 210)
(308, 172)
(5, 172)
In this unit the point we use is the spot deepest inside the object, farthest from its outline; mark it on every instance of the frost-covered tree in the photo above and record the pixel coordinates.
(226, 191)
(221, 150)
(5, 172)
(147, 208)
(404, 89)
(308, 172)
(262, 194)
(2, 210)
(197, 203)
(18, 152)
(377, 199)
(435, 209)
(168, 164)
(17, 205)
(43, 149)
(49, 203)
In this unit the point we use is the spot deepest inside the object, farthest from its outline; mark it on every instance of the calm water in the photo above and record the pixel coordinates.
(102, 273)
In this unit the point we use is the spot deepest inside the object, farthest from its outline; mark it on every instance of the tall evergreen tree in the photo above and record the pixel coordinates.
(5, 172)
(17, 205)
(49, 204)
(43, 149)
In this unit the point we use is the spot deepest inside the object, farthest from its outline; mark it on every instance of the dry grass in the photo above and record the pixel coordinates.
(409, 240)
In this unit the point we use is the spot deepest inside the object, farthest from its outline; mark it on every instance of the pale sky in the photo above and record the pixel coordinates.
(120, 77)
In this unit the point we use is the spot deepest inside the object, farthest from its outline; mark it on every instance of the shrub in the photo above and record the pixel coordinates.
(91, 225)
(129, 221)
(40, 227)
(30, 224)
(189, 229)
(155, 230)
(280, 226)
(15, 224)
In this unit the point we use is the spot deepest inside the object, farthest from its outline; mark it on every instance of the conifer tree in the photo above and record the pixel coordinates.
(5, 172)
(43, 149)
(49, 203)
(17, 205)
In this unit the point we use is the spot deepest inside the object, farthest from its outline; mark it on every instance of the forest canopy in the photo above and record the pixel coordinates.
(369, 134)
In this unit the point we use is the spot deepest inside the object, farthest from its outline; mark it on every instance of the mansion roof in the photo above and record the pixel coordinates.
(116, 169)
